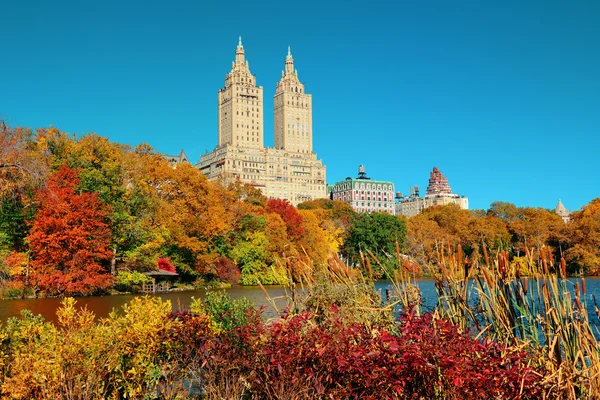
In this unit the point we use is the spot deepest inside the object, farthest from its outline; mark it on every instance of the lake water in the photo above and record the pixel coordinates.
(103, 305)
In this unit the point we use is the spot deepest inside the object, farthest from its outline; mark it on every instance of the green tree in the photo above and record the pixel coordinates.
(376, 232)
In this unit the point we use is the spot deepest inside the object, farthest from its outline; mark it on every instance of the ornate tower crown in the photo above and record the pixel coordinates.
(438, 183)
(289, 77)
(240, 105)
(292, 111)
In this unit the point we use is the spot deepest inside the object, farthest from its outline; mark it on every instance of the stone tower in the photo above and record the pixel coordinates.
(289, 170)
(292, 111)
(241, 106)
(562, 212)
(438, 184)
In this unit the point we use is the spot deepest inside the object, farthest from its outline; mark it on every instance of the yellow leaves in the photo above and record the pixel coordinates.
(83, 358)
(69, 318)
(14, 264)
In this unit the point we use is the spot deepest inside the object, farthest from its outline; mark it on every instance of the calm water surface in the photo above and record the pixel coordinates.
(103, 305)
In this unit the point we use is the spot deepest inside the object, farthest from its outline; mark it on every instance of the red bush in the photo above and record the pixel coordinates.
(425, 358)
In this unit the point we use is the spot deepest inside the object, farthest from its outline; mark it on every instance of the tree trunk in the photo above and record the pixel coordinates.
(113, 263)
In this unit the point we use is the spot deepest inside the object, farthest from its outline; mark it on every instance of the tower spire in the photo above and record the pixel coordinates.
(239, 52)
(289, 62)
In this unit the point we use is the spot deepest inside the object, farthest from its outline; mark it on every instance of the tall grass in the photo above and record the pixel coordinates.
(543, 313)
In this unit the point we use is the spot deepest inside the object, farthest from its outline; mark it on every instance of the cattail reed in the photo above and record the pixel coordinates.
(579, 308)
(406, 265)
(370, 269)
(485, 256)
(489, 280)
(563, 268)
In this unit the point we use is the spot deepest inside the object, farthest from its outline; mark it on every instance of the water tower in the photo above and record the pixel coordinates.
(361, 172)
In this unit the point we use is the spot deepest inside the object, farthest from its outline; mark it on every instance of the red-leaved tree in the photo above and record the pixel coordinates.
(69, 239)
(289, 215)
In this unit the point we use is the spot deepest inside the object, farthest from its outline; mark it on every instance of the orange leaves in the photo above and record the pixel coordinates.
(15, 264)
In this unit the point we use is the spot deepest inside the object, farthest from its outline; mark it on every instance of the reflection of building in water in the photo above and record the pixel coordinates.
(365, 194)
(290, 170)
(438, 193)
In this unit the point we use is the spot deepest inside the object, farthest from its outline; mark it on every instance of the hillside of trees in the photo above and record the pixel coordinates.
(81, 215)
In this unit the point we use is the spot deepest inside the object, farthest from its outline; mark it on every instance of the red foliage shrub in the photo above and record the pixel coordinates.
(427, 359)
(289, 215)
(164, 264)
(434, 354)
(227, 270)
(186, 341)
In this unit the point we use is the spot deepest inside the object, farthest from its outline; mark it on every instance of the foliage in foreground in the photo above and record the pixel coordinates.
(224, 349)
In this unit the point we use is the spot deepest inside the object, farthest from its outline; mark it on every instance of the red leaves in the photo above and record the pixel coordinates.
(227, 270)
(69, 238)
(289, 215)
(164, 264)
(425, 358)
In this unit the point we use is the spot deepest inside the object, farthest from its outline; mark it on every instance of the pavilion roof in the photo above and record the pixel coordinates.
(160, 272)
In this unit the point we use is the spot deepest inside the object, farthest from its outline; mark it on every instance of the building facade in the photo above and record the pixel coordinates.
(438, 193)
(365, 194)
(290, 170)
(177, 159)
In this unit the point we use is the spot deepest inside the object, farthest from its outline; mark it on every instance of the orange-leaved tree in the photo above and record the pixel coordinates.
(69, 239)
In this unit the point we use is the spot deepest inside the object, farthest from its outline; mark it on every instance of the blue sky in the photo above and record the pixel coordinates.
(502, 96)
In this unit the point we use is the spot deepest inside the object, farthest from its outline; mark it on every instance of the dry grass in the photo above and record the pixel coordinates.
(545, 314)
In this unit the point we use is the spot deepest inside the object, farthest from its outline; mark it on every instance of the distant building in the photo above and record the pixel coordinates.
(562, 212)
(365, 194)
(178, 159)
(290, 170)
(438, 193)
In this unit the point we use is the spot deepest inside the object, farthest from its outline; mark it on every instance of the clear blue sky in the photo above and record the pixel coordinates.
(502, 96)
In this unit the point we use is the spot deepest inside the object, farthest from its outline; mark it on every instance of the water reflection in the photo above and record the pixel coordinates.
(103, 305)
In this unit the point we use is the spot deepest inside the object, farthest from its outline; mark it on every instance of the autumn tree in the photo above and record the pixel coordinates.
(69, 239)
(506, 212)
(584, 239)
(449, 225)
(22, 165)
(340, 213)
(189, 208)
(424, 236)
(23, 169)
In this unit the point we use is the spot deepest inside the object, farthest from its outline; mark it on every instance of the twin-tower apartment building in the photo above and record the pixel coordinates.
(289, 170)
